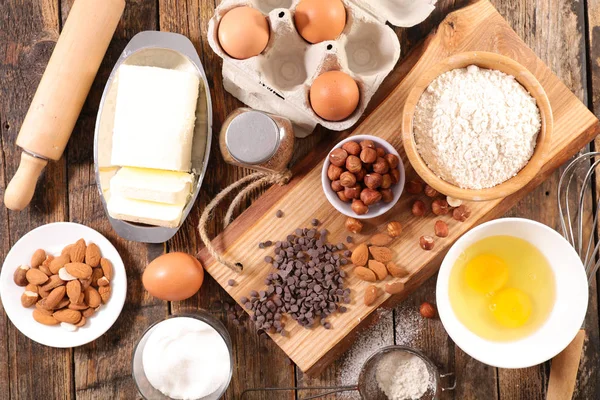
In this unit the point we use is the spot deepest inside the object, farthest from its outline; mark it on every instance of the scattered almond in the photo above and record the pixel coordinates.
(55, 297)
(427, 310)
(20, 275)
(104, 293)
(44, 319)
(381, 239)
(92, 255)
(59, 262)
(379, 269)
(77, 252)
(36, 277)
(370, 295)
(359, 257)
(396, 271)
(38, 257)
(67, 315)
(28, 298)
(92, 297)
(107, 268)
(79, 270)
(381, 254)
(394, 287)
(74, 290)
(365, 274)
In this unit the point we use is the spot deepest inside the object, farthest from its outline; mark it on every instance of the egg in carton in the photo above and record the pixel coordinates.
(279, 79)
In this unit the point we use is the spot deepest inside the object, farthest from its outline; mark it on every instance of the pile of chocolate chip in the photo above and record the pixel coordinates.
(308, 284)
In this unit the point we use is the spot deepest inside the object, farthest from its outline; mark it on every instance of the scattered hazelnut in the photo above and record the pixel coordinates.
(461, 213)
(368, 155)
(347, 179)
(381, 166)
(360, 175)
(395, 175)
(394, 229)
(352, 148)
(386, 181)
(452, 202)
(414, 187)
(370, 196)
(418, 208)
(430, 192)
(359, 207)
(441, 229)
(343, 197)
(353, 192)
(392, 160)
(334, 172)
(338, 157)
(373, 181)
(367, 144)
(427, 310)
(380, 152)
(440, 207)
(353, 225)
(426, 242)
(353, 164)
(336, 186)
(387, 195)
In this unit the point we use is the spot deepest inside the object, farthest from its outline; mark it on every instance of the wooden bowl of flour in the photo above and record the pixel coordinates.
(491, 61)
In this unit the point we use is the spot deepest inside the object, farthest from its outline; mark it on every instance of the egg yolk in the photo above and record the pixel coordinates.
(486, 273)
(511, 308)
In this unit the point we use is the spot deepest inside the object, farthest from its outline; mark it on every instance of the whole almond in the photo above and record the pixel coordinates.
(38, 257)
(81, 299)
(97, 273)
(40, 307)
(20, 275)
(67, 249)
(104, 293)
(381, 239)
(53, 282)
(379, 269)
(77, 252)
(85, 283)
(63, 303)
(55, 297)
(74, 290)
(89, 312)
(45, 270)
(92, 297)
(370, 295)
(103, 281)
(43, 292)
(78, 307)
(36, 277)
(41, 304)
(107, 268)
(59, 262)
(81, 322)
(359, 257)
(32, 288)
(48, 260)
(394, 287)
(381, 254)
(365, 274)
(92, 255)
(396, 271)
(44, 319)
(67, 315)
(28, 298)
(79, 270)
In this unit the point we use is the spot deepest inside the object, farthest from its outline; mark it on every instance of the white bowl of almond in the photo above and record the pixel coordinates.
(63, 285)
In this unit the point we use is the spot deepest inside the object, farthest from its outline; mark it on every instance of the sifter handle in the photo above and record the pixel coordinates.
(22, 186)
(564, 368)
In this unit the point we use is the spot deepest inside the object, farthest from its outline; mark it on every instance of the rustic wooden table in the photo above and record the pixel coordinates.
(565, 34)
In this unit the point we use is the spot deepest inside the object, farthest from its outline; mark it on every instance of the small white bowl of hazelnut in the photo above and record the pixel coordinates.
(363, 176)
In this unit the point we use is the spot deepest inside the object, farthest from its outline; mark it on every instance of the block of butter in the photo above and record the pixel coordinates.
(154, 118)
(154, 185)
(145, 212)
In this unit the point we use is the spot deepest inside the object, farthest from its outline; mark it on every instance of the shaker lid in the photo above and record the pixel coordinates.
(252, 137)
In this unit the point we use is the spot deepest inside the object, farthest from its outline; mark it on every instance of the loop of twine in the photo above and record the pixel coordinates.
(254, 181)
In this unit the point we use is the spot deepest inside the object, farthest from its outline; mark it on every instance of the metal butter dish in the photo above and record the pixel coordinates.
(165, 50)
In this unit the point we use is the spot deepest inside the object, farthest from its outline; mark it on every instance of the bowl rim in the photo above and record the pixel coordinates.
(373, 212)
(510, 354)
(526, 79)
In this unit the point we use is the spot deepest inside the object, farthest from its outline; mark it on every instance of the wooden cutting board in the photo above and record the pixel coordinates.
(476, 27)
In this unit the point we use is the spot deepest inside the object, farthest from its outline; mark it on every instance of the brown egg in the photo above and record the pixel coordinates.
(320, 20)
(243, 32)
(334, 96)
(173, 277)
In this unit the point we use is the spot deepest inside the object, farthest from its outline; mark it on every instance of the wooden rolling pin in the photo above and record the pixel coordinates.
(62, 91)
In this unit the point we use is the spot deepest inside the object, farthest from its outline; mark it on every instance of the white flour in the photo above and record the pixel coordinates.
(476, 128)
(402, 376)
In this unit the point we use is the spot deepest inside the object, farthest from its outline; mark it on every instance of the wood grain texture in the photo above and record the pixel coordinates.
(476, 27)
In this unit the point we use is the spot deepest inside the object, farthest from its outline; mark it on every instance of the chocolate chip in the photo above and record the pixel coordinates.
(268, 243)
(231, 282)
(279, 214)
(349, 239)
(315, 222)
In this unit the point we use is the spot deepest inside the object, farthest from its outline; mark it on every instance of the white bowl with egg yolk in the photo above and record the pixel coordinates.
(565, 319)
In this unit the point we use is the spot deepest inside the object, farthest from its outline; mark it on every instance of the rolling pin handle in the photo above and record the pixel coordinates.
(19, 191)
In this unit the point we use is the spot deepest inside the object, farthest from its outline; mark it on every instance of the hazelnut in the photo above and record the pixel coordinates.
(370, 196)
(386, 181)
(336, 186)
(394, 229)
(418, 208)
(427, 310)
(334, 172)
(395, 174)
(367, 144)
(373, 181)
(338, 157)
(343, 197)
(440, 207)
(392, 160)
(347, 179)
(360, 175)
(359, 207)
(387, 196)
(441, 229)
(430, 192)
(426, 242)
(352, 148)
(381, 166)
(353, 192)
(368, 155)
(353, 164)
(380, 152)
(414, 187)
(452, 202)
(353, 225)
(461, 213)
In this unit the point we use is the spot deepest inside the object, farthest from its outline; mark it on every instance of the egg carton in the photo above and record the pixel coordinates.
(279, 79)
